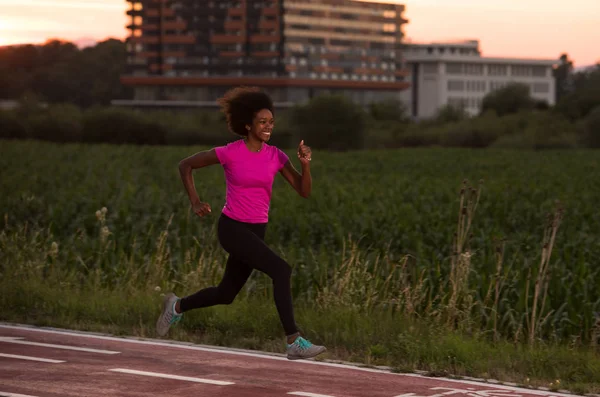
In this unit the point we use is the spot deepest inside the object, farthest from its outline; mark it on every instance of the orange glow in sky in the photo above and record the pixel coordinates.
(505, 28)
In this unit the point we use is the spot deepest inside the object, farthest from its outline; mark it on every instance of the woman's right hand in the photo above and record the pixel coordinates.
(201, 208)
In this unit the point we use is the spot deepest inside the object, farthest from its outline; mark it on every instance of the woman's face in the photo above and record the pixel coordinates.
(262, 125)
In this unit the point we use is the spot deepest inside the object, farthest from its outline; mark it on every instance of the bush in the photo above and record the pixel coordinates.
(58, 123)
(449, 114)
(541, 131)
(591, 128)
(189, 127)
(417, 135)
(553, 132)
(478, 132)
(11, 126)
(384, 134)
(510, 99)
(120, 126)
(389, 110)
(330, 122)
(579, 103)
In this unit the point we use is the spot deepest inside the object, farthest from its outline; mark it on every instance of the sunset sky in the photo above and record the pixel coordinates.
(506, 28)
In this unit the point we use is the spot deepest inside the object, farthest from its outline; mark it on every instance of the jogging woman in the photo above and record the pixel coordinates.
(250, 166)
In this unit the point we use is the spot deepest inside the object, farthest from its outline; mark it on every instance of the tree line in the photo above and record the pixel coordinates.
(78, 85)
(60, 72)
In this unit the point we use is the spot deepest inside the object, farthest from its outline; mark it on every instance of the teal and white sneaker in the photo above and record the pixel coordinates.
(302, 349)
(168, 316)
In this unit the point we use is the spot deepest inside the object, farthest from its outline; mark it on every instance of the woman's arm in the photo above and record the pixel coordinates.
(301, 183)
(198, 160)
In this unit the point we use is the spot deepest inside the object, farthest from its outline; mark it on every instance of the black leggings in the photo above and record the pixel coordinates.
(247, 251)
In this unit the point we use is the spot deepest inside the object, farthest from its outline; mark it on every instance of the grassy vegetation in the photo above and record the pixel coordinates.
(393, 265)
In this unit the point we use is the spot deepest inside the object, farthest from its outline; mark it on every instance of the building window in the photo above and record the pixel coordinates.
(389, 27)
(497, 70)
(541, 88)
(539, 71)
(519, 70)
(454, 68)
(476, 86)
(455, 85)
(496, 85)
(473, 69)
(430, 68)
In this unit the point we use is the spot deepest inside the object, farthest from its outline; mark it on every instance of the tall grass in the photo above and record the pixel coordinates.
(379, 231)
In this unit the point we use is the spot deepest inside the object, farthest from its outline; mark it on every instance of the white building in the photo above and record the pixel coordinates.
(457, 74)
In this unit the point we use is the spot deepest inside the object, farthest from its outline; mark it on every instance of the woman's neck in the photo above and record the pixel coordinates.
(253, 144)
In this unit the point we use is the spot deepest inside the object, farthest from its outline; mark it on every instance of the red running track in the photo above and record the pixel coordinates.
(130, 367)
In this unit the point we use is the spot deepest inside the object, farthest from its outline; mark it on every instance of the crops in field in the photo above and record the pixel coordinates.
(383, 231)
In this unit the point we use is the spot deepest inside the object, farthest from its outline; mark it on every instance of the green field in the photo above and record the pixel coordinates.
(374, 278)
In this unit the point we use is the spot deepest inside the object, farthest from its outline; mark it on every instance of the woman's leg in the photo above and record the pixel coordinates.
(235, 276)
(246, 241)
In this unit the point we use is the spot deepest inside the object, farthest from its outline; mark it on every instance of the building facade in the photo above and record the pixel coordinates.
(193, 51)
(456, 74)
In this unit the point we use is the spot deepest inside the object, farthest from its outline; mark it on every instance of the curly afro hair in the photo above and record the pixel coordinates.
(241, 104)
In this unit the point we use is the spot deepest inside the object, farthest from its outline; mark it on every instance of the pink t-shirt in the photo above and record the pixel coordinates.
(249, 177)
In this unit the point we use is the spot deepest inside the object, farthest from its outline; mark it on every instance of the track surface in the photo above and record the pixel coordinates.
(41, 362)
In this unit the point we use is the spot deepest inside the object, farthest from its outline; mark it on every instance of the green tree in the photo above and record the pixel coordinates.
(584, 97)
(16, 65)
(99, 69)
(563, 74)
(508, 100)
(59, 72)
(450, 114)
(389, 110)
(53, 79)
(330, 122)
(591, 126)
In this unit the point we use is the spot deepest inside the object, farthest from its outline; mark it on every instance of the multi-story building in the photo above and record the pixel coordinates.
(457, 74)
(193, 51)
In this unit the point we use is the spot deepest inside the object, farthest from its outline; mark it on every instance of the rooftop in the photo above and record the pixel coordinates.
(462, 51)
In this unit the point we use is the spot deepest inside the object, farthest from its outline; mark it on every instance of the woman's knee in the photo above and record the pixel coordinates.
(283, 271)
(225, 297)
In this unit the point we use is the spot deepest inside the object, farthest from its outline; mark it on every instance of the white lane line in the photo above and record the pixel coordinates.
(168, 376)
(301, 393)
(7, 394)
(238, 352)
(45, 360)
(17, 340)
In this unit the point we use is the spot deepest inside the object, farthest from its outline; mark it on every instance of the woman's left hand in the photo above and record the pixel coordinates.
(304, 153)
